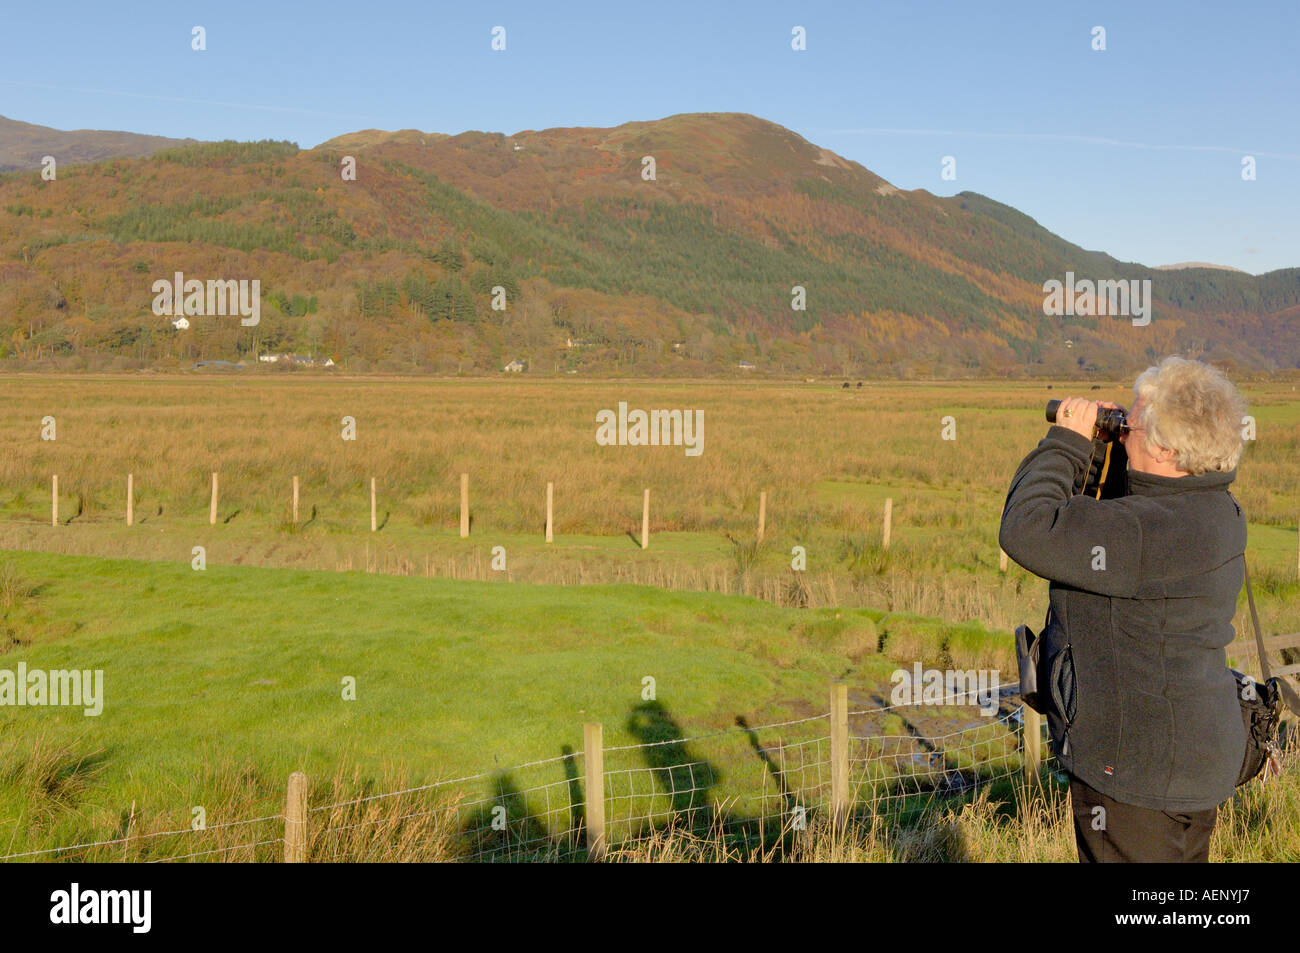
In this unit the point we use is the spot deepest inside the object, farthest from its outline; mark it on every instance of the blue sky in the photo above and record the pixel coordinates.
(1136, 150)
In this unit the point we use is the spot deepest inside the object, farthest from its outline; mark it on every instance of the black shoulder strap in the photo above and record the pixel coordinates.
(1254, 618)
(1288, 693)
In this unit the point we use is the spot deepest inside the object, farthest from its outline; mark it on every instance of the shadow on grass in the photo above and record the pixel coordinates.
(686, 779)
(907, 817)
(788, 800)
(505, 825)
(503, 828)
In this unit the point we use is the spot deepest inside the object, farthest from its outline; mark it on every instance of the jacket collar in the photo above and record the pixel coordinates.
(1149, 484)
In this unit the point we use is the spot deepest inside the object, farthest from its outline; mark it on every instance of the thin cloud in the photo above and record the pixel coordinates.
(1050, 137)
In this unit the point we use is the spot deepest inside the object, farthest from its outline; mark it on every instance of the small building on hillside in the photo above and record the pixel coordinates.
(514, 367)
(181, 324)
(745, 366)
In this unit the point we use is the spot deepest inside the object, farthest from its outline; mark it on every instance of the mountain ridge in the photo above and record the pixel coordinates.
(689, 272)
(23, 144)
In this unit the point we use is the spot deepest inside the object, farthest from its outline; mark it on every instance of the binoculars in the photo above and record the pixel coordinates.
(1111, 422)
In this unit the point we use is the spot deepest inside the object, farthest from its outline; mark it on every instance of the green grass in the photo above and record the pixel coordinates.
(243, 666)
(433, 659)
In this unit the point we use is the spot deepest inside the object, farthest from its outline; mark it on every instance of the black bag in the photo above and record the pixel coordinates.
(1261, 711)
(1028, 648)
(1261, 707)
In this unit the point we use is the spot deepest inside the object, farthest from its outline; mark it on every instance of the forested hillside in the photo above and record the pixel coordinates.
(600, 270)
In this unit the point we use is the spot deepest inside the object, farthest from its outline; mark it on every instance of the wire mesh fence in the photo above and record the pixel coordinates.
(746, 782)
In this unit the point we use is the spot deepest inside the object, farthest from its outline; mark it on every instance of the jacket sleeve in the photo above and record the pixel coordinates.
(1055, 533)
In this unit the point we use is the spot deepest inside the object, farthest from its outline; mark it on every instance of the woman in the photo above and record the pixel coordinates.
(1144, 714)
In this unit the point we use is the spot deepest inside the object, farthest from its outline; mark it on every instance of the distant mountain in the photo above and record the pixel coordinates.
(367, 138)
(680, 246)
(23, 145)
(1197, 264)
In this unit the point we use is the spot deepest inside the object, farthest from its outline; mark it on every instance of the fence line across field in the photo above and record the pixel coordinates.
(549, 532)
(798, 765)
(213, 506)
(886, 532)
(1278, 641)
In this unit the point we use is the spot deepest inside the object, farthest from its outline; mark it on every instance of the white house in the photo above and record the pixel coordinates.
(514, 366)
(180, 324)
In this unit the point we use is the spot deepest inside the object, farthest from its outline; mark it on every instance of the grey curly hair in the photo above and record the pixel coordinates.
(1192, 409)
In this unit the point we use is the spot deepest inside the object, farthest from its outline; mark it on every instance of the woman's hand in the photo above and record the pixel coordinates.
(1078, 414)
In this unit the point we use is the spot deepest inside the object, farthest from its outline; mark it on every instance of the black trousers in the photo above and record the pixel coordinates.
(1106, 831)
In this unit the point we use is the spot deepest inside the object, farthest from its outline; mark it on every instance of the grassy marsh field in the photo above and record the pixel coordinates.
(220, 683)
(223, 681)
(826, 457)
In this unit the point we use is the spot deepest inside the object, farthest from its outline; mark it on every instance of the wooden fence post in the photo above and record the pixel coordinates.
(130, 498)
(374, 513)
(212, 507)
(889, 519)
(295, 820)
(54, 501)
(593, 756)
(645, 521)
(464, 506)
(1033, 730)
(550, 515)
(295, 501)
(839, 754)
(762, 514)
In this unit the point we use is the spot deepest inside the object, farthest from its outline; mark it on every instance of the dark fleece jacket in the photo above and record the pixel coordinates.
(1143, 590)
